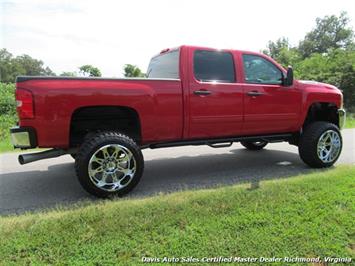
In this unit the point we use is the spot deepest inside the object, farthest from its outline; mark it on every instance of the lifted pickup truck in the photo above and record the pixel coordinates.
(191, 96)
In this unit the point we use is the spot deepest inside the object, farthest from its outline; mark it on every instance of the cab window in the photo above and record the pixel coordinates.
(164, 66)
(214, 66)
(260, 70)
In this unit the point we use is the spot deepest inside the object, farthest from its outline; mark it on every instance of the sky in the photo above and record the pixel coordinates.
(66, 34)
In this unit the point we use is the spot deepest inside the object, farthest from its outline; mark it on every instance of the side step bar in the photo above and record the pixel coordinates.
(228, 141)
(214, 143)
(32, 157)
(220, 145)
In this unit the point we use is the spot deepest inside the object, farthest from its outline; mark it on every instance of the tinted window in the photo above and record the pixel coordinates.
(164, 66)
(214, 66)
(259, 70)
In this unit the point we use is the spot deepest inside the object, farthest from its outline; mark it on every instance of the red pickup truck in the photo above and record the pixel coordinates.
(191, 96)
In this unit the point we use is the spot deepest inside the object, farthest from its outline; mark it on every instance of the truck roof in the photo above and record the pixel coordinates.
(207, 48)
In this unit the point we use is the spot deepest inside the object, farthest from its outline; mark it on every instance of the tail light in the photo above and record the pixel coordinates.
(24, 103)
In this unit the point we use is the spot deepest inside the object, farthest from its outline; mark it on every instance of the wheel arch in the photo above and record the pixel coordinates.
(90, 119)
(321, 111)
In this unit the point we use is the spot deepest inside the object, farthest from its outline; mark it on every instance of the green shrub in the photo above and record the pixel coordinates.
(6, 121)
(8, 115)
(7, 99)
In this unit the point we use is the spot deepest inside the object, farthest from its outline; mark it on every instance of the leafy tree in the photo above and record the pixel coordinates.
(347, 84)
(68, 74)
(89, 70)
(11, 67)
(33, 67)
(327, 54)
(282, 52)
(8, 70)
(132, 71)
(337, 68)
(48, 72)
(274, 48)
(331, 32)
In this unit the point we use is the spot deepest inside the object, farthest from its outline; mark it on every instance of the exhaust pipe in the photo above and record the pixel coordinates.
(32, 157)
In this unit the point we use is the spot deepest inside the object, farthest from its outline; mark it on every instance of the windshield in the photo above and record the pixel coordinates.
(164, 66)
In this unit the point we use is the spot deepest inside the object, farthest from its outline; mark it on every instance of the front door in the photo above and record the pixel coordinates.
(215, 97)
(269, 106)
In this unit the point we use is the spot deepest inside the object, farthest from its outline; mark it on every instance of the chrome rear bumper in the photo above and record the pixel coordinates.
(23, 137)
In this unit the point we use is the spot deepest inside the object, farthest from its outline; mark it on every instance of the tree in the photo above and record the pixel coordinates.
(89, 70)
(336, 67)
(274, 49)
(331, 32)
(326, 54)
(68, 74)
(282, 52)
(132, 71)
(11, 67)
(8, 70)
(33, 67)
(48, 72)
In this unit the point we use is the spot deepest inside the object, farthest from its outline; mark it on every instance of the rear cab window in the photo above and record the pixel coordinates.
(164, 66)
(214, 66)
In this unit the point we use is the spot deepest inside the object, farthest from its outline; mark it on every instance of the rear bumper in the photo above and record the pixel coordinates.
(342, 118)
(23, 137)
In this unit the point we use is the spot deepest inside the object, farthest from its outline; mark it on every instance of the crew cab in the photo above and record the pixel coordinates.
(190, 96)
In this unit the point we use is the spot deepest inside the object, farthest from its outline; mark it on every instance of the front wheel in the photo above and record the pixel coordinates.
(255, 145)
(320, 144)
(109, 164)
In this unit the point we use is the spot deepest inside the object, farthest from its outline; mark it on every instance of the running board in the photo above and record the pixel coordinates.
(213, 142)
(220, 145)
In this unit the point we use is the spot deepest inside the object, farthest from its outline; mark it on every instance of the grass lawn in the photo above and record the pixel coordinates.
(5, 146)
(350, 121)
(307, 216)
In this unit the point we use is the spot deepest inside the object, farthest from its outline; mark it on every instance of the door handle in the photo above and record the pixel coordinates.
(255, 93)
(202, 92)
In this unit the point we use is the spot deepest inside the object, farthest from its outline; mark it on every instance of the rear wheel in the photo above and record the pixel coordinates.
(109, 164)
(254, 145)
(320, 144)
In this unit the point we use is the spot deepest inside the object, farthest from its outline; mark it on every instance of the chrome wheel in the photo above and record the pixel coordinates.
(112, 167)
(329, 146)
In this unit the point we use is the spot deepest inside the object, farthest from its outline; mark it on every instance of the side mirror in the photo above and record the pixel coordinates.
(288, 81)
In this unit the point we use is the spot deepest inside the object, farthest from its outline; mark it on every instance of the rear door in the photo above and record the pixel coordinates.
(270, 107)
(215, 97)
